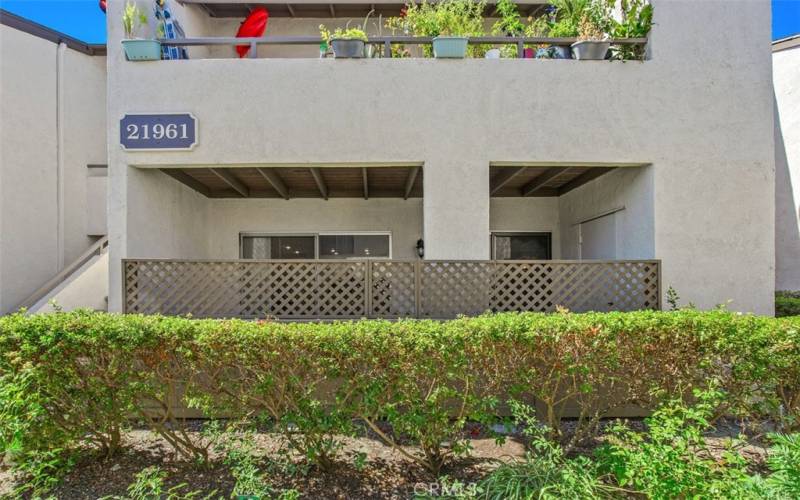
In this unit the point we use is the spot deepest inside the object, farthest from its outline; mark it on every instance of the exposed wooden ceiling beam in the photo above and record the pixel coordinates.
(290, 9)
(186, 179)
(412, 176)
(365, 180)
(542, 179)
(504, 177)
(231, 181)
(589, 175)
(332, 9)
(323, 189)
(275, 181)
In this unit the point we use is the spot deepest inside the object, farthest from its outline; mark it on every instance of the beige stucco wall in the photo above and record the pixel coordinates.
(527, 215)
(402, 218)
(702, 118)
(629, 189)
(166, 217)
(47, 118)
(786, 74)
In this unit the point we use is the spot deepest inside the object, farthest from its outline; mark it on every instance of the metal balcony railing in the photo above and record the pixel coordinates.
(351, 289)
(386, 42)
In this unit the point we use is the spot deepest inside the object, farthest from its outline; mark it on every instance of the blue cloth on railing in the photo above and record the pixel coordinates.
(169, 29)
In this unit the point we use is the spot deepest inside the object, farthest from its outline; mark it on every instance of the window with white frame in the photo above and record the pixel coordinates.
(350, 245)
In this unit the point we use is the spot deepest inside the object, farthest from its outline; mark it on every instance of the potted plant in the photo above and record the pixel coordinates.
(593, 42)
(636, 20)
(347, 43)
(509, 24)
(449, 22)
(138, 49)
(564, 20)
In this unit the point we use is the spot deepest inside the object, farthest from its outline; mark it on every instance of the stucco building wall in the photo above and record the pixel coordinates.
(52, 124)
(626, 195)
(786, 72)
(702, 118)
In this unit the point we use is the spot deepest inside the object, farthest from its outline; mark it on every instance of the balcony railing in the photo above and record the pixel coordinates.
(386, 42)
(351, 289)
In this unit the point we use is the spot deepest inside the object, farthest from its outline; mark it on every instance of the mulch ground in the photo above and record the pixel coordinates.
(385, 475)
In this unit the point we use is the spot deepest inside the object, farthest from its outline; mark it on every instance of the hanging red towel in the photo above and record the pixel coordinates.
(254, 26)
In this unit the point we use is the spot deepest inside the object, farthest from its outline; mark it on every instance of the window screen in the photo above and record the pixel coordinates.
(278, 247)
(521, 246)
(353, 246)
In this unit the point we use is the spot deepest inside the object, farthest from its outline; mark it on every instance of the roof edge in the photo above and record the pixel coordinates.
(786, 43)
(39, 30)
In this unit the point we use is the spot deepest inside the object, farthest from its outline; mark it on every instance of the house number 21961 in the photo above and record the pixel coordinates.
(169, 131)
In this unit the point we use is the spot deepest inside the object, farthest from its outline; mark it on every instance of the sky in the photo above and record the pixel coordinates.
(83, 19)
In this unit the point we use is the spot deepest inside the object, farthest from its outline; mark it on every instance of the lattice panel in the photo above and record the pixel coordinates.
(522, 287)
(341, 289)
(448, 289)
(580, 287)
(393, 289)
(389, 289)
(280, 289)
(176, 288)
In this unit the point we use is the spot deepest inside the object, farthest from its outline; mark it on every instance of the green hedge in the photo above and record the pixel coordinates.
(73, 378)
(787, 304)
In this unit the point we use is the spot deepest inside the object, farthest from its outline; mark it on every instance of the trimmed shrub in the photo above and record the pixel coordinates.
(78, 377)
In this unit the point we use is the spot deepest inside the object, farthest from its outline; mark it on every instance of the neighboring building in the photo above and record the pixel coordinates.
(786, 76)
(52, 167)
(671, 160)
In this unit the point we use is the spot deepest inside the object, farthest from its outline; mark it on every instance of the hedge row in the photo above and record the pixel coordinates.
(74, 378)
(787, 304)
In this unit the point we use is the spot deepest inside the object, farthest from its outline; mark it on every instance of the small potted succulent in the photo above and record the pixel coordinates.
(347, 43)
(138, 49)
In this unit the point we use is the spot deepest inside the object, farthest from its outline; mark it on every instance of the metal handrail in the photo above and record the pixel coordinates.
(386, 41)
(96, 249)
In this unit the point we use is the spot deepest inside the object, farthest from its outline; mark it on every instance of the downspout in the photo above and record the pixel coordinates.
(62, 48)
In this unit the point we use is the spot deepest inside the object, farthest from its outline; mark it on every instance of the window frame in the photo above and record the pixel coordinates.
(250, 234)
(315, 235)
(356, 233)
(493, 242)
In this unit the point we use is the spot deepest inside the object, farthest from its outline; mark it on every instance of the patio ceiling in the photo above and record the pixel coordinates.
(317, 9)
(555, 180)
(302, 182)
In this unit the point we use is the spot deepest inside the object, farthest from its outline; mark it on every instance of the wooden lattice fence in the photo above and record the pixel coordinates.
(385, 289)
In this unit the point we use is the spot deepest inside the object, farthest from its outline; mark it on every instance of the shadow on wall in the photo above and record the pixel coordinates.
(787, 217)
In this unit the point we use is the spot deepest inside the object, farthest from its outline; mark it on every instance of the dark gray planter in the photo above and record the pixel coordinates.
(349, 49)
(590, 50)
(562, 52)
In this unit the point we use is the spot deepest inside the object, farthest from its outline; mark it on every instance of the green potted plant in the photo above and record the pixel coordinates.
(636, 20)
(137, 49)
(449, 22)
(593, 41)
(564, 19)
(347, 43)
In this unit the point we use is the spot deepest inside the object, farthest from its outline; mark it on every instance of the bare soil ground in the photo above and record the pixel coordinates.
(386, 474)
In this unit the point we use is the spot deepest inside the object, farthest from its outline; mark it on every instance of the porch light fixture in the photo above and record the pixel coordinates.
(421, 248)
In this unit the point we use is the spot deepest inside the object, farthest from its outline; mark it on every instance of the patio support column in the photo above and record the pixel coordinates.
(456, 208)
